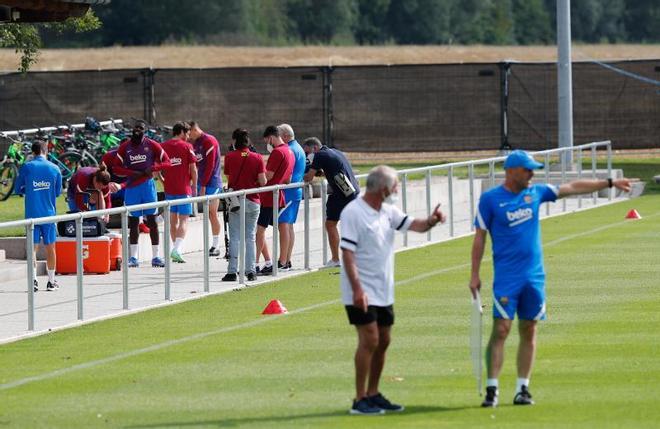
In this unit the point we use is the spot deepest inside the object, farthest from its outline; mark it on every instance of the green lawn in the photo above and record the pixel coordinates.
(218, 363)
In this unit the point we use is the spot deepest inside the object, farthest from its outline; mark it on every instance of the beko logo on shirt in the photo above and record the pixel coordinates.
(519, 216)
(41, 185)
(175, 161)
(135, 159)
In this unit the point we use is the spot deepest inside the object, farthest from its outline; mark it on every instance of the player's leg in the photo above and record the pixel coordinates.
(263, 221)
(385, 322)
(283, 229)
(333, 240)
(214, 219)
(531, 309)
(49, 232)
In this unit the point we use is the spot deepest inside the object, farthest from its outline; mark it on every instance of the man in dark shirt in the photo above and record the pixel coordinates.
(345, 187)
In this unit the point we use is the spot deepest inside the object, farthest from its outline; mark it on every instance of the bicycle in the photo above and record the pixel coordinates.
(15, 157)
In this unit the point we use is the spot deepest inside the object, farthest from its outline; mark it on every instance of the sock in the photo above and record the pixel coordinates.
(134, 250)
(51, 275)
(491, 382)
(521, 382)
(268, 264)
(216, 241)
(154, 251)
(177, 244)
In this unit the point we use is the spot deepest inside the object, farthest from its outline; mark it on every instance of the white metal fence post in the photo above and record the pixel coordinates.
(125, 246)
(166, 249)
(205, 207)
(276, 232)
(242, 243)
(79, 266)
(29, 235)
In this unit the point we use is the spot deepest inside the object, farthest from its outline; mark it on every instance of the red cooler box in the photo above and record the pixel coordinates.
(96, 255)
(115, 251)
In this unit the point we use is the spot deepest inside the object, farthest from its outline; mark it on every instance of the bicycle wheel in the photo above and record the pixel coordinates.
(88, 160)
(68, 163)
(8, 174)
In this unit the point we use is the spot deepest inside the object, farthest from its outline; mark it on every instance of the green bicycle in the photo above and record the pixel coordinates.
(15, 157)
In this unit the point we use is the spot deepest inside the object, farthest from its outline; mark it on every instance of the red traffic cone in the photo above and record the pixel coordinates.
(633, 214)
(275, 307)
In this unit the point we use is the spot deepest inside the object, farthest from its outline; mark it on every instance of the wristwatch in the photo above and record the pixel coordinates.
(609, 182)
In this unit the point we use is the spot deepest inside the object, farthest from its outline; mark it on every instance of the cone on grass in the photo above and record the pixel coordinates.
(633, 214)
(275, 307)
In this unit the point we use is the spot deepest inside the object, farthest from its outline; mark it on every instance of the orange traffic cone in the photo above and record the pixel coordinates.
(275, 307)
(633, 214)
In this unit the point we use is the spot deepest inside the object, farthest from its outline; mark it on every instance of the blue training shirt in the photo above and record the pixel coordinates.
(296, 194)
(41, 183)
(513, 223)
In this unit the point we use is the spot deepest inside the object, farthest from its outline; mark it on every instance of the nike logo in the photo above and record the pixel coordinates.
(503, 204)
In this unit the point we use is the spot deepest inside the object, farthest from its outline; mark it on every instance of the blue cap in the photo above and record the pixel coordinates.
(520, 158)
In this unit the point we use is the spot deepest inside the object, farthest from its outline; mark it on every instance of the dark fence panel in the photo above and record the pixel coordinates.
(367, 108)
(43, 99)
(607, 105)
(416, 108)
(221, 100)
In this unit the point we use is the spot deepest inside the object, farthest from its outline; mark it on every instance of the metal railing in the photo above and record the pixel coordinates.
(404, 174)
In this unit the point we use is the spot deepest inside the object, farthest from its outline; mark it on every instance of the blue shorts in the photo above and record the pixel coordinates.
(46, 231)
(73, 207)
(182, 209)
(524, 297)
(210, 190)
(141, 194)
(290, 213)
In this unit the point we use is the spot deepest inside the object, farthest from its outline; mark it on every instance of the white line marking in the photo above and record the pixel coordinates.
(160, 346)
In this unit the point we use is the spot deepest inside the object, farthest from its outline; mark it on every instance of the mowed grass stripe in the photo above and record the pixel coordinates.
(297, 372)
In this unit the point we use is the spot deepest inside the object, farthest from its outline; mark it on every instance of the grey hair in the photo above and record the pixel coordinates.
(313, 141)
(381, 177)
(285, 129)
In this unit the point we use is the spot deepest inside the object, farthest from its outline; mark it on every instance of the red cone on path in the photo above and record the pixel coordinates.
(633, 214)
(275, 307)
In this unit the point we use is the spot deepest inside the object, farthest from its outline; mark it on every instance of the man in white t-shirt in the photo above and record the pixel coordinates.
(367, 279)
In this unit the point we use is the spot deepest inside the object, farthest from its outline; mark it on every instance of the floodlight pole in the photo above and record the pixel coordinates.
(565, 79)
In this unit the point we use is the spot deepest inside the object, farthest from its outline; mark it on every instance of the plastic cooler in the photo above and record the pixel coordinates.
(95, 250)
(115, 251)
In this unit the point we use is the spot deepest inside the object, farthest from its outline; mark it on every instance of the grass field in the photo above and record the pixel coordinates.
(310, 56)
(217, 362)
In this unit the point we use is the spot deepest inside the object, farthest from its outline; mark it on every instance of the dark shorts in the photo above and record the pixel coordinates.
(335, 205)
(383, 316)
(265, 217)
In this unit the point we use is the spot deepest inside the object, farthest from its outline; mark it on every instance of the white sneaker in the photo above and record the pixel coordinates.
(332, 264)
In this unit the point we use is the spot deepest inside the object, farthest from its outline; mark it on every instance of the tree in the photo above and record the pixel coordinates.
(531, 22)
(419, 21)
(26, 39)
(370, 26)
(320, 21)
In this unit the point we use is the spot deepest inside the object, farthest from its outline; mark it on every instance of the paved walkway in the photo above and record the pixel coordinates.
(103, 293)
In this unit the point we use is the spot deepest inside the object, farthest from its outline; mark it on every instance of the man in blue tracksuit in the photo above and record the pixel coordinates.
(510, 213)
(41, 183)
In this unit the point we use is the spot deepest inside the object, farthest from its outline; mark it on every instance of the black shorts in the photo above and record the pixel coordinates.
(265, 217)
(383, 316)
(335, 205)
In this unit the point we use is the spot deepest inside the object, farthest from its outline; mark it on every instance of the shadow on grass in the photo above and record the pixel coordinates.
(223, 423)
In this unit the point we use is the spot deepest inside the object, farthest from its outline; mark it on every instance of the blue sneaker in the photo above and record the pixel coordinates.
(133, 262)
(157, 262)
(383, 403)
(365, 408)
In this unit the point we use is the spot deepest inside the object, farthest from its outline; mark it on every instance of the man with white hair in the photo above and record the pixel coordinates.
(367, 279)
(292, 197)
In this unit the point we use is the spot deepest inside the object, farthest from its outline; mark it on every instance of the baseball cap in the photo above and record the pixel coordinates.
(520, 158)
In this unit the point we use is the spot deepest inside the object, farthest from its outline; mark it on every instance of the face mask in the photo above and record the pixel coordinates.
(136, 137)
(269, 147)
(392, 198)
(310, 157)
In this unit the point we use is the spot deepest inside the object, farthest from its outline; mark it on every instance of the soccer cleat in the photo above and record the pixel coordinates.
(157, 262)
(133, 262)
(251, 277)
(229, 277)
(383, 403)
(52, 286)
(523, 397)
(365, 408)
(214, 251)
(144, 229)
(36, 285)
(332, 264)
(176, 257)
(491, 397)
(266, 271)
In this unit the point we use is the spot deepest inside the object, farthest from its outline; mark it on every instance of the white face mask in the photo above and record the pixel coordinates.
(310, 157)
(269, 147)
(392, 198)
